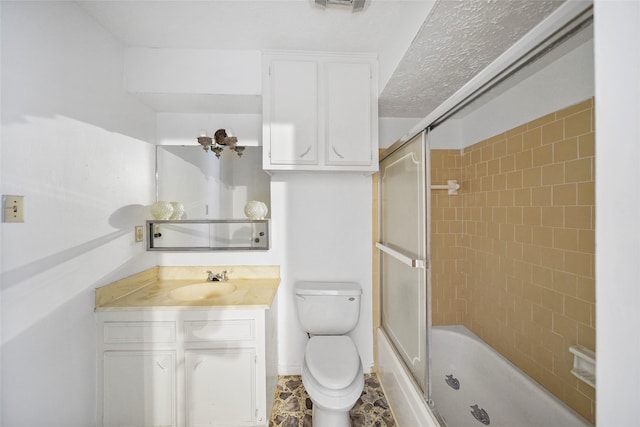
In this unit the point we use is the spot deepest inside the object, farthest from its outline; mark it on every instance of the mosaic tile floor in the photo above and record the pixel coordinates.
(292, 407)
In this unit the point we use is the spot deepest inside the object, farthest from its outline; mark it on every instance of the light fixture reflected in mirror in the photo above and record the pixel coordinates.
(221, 138)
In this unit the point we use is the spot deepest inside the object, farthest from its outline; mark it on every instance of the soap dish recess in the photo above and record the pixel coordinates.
(584, 364)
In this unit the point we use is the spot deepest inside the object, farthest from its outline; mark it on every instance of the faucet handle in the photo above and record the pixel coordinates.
(219, 277)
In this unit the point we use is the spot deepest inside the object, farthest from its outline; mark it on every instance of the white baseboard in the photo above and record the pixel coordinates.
(289, 369)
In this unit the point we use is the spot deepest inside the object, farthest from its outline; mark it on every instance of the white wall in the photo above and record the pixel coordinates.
(391, 129)
(195, 80)
(184, 128)
(206, 71)
(567, 80)
(78, 148)
(324, 234)
(617, 31)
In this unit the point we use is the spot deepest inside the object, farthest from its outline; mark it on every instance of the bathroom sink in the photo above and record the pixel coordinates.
(202, 291)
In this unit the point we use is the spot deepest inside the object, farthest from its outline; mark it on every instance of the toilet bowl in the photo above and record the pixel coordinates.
(332, 372)
(333, 377)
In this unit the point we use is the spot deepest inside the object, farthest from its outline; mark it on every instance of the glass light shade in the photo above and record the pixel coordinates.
(178, 210)
(161, 210)
(255, 210)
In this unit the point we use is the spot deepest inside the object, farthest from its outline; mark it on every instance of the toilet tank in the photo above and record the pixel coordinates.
(328, 308)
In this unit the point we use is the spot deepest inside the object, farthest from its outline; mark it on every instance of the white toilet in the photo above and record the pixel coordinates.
(332, 371)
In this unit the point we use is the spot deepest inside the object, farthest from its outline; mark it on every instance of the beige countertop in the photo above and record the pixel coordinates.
(249, 287)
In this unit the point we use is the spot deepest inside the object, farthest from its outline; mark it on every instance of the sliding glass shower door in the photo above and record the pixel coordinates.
(404, 272)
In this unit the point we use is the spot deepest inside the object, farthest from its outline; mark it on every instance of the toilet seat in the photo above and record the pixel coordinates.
(334, 400)
(333, 377)
(333, 361)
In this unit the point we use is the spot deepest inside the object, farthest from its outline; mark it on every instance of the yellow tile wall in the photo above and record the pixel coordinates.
(448, 305)
(513, 254)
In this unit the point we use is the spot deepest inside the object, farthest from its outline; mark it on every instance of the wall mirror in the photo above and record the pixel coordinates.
(208, 187)
(212, 190)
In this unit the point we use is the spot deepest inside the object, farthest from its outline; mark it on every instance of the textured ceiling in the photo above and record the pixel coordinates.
(458, 39)
(427, 50)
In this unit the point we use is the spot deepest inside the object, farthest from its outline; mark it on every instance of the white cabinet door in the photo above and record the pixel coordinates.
(348, 112)
(220, 387)
(293, 113)
(139, 388)
(320, 112)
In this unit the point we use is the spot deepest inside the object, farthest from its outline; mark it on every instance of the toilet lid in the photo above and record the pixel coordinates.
(332, 360)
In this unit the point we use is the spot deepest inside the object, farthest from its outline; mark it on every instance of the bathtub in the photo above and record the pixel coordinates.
(468, 377)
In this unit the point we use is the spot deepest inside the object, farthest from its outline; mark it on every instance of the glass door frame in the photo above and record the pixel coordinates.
(422, 263)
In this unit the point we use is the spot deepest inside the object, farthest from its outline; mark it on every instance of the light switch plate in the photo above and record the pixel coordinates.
(139, 233)
(13, 208)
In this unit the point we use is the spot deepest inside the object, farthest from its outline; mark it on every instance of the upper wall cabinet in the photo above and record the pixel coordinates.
(320, 112)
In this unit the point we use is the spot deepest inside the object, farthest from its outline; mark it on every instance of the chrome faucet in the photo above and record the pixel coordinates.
(216, 277)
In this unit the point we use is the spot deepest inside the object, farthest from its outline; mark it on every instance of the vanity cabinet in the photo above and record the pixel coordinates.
(320, 112)
(185, 367)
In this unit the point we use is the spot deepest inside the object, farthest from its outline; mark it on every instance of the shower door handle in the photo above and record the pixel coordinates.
(405, 259)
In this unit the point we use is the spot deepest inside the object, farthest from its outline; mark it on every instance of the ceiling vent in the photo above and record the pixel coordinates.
(355, 4)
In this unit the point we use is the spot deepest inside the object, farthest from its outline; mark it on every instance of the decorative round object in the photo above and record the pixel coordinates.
(178, 210)
(255, 210)
(161, 210)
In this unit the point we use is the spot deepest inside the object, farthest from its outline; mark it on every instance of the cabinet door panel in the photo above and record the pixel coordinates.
(220, 387)
(348, 112)
(294, 113)
(139, 388)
